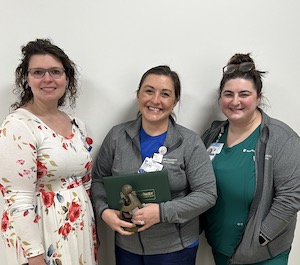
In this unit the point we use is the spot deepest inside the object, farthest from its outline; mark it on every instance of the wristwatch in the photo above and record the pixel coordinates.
(263, 240)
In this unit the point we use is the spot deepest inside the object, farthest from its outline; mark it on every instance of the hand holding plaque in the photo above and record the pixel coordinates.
(130, 203)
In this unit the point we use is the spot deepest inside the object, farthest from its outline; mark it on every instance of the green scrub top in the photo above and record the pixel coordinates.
(234, 168)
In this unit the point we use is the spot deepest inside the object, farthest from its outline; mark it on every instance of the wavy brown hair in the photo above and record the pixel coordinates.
(44, 47)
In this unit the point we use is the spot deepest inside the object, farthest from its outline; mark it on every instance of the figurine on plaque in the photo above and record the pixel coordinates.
(130, 203)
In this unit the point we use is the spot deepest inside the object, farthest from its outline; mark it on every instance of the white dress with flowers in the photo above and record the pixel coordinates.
(45, 182)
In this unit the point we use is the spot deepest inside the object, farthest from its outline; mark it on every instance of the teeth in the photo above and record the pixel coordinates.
(154, 109)
(48, 88)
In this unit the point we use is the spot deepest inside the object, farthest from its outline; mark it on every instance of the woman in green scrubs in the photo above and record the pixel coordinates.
(255, 215)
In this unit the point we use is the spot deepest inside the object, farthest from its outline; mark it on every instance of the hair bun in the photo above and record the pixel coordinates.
(239, 58)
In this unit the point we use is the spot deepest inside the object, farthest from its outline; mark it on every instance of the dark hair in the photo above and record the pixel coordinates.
(44, 47)
(163, 70)
(254, 74)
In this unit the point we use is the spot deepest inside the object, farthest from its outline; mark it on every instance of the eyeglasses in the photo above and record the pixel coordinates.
(243, 67)
(39, 73)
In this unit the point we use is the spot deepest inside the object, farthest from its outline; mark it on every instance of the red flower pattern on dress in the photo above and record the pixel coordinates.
(32, 146)
(88, 191)
(26, 172)
(94, 232)
(36, 218)
(41, 169)
(74, 211)
(2, 189)
(89, 140)
(69, 137)
(86, 178)
(81, 225)
(73, 184)
(4, 222)
(48, 198)
(95, 252)
(96, 244)
(88, 165)
(21, 161)
(76, 220)
(65, 230)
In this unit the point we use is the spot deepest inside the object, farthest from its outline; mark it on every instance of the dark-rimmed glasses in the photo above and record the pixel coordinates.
(243, 67)
(39, 73)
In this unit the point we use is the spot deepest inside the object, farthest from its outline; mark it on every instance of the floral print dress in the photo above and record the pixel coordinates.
(45, 181)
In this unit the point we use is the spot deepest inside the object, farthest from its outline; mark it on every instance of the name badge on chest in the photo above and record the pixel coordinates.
(214, 149)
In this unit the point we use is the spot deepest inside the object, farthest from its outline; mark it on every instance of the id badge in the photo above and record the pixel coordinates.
(214, 149)
(149, 165)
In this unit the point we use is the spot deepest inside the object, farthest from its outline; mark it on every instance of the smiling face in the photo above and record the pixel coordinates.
(46, 90)
(239, 100)
(156, 100)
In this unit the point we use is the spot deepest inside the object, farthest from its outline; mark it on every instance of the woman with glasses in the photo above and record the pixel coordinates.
(168, 232)
(45, 165)
(257, 166)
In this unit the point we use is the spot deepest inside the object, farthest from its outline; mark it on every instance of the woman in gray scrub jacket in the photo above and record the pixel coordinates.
(257, 166)
(170, 230)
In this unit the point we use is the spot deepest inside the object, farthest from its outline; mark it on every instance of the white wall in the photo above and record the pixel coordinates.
(114, 42)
